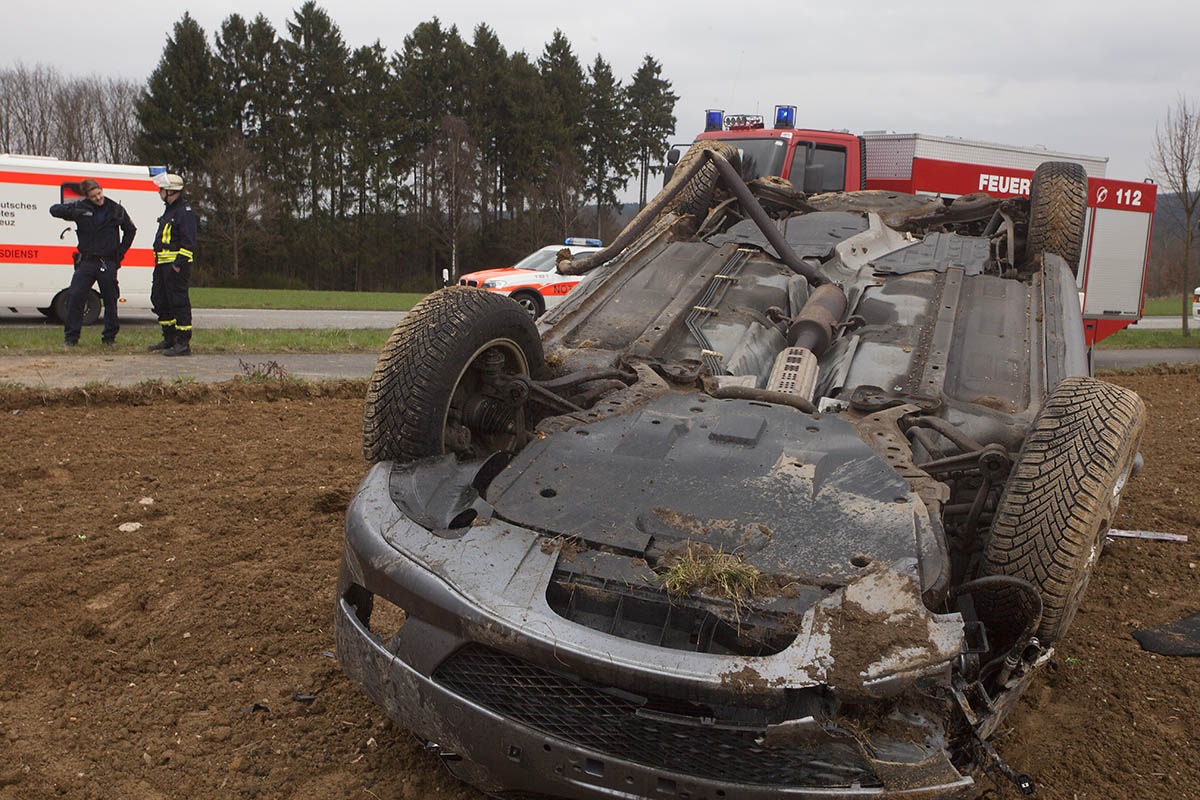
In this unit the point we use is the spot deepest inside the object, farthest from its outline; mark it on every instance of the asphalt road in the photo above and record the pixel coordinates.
(59, 370)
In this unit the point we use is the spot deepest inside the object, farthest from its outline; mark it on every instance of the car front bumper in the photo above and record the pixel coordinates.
(528, 705)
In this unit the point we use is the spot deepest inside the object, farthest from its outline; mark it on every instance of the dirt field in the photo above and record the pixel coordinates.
(191, 657)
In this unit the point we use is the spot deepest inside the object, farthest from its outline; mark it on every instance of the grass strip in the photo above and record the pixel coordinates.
(37, 341)
(1149, 340)
(219, 297)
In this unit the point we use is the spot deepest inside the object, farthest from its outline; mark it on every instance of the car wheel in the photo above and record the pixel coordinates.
(1058, 197)
(433, 388)
(529, 301)
(91, 307)
(696, 197)
(1053, 514)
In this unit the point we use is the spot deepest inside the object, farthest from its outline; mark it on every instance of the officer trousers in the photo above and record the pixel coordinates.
(92, 270)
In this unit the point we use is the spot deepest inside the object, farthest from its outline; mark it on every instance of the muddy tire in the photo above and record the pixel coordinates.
(696, 197)
(429, 374)
(1055, 511)
(1058, 197)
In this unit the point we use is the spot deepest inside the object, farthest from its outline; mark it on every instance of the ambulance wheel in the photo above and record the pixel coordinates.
(531, 302)
(439, 386)
(695, 198)
(1054, 513)
(91, 307)
(1058, 196)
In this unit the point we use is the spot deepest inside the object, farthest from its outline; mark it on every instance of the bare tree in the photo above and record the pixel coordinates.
(1176, 164)
(563, 194)
(237, 205)
(77, 119)
(29, 109)
(454, 160)
(116, 124)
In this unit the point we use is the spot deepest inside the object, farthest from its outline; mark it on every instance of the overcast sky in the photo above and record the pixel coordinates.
(1092, 78)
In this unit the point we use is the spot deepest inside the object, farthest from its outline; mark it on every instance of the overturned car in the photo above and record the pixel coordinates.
(791, 497)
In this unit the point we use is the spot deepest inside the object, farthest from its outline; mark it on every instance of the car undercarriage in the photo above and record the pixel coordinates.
(790, 497)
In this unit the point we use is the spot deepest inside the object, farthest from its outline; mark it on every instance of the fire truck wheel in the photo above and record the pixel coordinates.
(531, 302)
(438, 385)
(1058, 197)
(1053, 514)
(91, 307)
(696, 197)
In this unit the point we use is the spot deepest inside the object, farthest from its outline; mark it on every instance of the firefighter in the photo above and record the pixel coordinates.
(105, 233)
(173, 248)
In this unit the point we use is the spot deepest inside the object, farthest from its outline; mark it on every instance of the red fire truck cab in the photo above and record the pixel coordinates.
(1112, 268)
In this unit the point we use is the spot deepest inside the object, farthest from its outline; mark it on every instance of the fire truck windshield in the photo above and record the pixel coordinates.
(760, 156)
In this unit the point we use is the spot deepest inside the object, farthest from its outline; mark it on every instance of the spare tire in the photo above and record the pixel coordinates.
(427, 395)
(1061, 495)
(1058, 196)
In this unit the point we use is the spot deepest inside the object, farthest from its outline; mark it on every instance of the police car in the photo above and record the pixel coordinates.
(533, 281)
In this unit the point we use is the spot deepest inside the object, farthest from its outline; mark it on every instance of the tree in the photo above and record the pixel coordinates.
(488, 103)
(238, 206)
(606, 136)
(1176, 164)
(566, 93)
(525, 145)
(28, 109)
(177, 112)
(651, 110)
(318, 58)
(453, 160)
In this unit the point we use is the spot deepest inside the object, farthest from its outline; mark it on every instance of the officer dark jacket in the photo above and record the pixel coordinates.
(105, 231)
(176, 237)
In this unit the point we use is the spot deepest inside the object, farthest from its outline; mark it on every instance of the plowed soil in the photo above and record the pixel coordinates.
(167, 568)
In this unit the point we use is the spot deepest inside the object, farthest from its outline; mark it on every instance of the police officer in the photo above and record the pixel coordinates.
(105, 233)
(173, 246)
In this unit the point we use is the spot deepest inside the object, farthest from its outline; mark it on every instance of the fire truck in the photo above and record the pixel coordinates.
(1116, 243)
(36, 249)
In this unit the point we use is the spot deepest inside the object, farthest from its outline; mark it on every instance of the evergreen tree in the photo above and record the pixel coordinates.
(230, 51)
(177, 111)
(267, 118)
(525, 142)
(372, 123)
(566, 93)
(651, 114)
(606, 162)
(487, 108)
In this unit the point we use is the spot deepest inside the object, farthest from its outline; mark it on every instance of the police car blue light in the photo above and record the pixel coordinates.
(577, 241)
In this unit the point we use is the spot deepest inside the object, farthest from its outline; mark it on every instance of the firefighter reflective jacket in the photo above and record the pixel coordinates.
(176, 237)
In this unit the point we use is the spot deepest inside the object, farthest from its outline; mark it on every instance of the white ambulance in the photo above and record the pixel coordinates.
(36, 249)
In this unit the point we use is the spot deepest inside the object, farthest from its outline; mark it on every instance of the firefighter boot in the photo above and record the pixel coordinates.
(182, 346)
(168, 340)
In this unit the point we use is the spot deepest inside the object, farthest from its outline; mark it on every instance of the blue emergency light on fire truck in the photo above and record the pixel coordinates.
(1116, 239)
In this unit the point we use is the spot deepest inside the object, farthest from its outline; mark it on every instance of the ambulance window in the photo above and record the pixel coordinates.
(832, 160)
